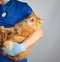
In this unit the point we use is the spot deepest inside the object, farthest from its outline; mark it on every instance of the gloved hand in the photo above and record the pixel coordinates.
(16, 49)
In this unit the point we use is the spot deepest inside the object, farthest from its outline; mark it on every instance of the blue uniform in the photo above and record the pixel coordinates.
(16, 13)
(5, 59)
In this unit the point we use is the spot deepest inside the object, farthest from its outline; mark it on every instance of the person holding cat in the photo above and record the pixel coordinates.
(11, 12)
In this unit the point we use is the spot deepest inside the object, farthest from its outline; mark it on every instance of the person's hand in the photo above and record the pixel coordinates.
(16, 49)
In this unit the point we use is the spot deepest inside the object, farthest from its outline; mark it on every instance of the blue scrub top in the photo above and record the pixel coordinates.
(16, 13)
(5, 59)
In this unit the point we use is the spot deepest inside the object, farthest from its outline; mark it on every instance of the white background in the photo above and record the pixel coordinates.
(48, 48)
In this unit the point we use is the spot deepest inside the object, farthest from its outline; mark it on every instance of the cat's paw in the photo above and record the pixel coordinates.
(8, 45)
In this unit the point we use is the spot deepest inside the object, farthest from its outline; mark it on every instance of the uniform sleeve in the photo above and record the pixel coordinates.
(27, 10)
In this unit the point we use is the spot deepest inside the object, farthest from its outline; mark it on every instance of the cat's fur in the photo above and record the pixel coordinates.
(18, 33)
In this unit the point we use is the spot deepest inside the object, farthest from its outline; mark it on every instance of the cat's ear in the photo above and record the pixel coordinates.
(34, 21)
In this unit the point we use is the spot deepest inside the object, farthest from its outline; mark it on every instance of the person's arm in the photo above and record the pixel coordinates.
(38, 34)
(30, 41)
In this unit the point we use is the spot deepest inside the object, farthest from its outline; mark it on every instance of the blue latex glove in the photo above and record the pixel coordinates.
(16, 49)
(6, 0)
